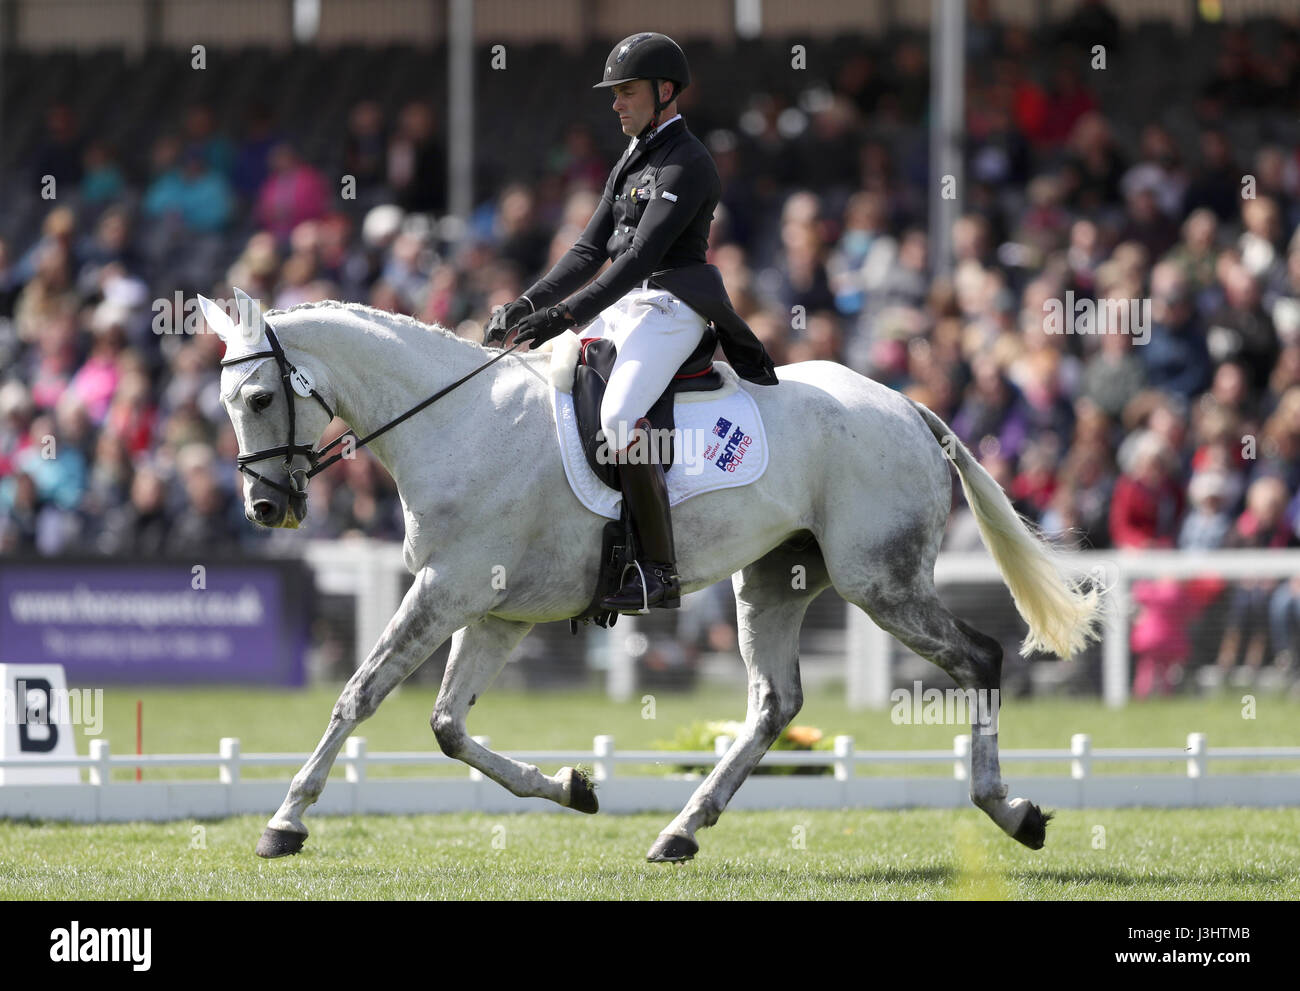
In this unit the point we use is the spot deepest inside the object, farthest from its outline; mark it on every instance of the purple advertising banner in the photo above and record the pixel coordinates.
(109, 621)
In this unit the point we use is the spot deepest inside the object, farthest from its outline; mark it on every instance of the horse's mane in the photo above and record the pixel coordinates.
(380, 316)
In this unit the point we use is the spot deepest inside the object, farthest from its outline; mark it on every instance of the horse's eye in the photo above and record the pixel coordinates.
(261, 401)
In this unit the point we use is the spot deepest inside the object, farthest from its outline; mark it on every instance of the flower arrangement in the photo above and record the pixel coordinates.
(700, 735)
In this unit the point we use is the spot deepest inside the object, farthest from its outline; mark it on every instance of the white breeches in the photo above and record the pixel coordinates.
(654, 332)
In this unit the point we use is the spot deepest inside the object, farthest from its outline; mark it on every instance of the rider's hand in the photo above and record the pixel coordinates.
(541, 326)
(504, 318)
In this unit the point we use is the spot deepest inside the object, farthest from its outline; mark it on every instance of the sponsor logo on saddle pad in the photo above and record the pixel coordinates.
(734, 453)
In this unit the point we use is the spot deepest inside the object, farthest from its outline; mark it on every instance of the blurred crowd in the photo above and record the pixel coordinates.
(1179, 428)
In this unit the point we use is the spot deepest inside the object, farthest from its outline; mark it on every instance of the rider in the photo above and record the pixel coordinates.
(655, 298)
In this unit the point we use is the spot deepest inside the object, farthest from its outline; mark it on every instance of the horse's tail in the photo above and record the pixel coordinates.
(1062, 616)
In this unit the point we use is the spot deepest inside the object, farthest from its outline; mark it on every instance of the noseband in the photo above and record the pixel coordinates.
(289, 375)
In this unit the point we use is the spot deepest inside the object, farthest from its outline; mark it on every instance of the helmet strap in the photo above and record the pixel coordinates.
(659, 105)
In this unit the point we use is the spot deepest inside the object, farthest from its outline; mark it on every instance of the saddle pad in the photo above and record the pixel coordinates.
(720, 444)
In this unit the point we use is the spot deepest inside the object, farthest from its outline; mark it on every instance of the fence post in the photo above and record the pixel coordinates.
(1115, 675)
(378, 598)
(961, 757)
(1081, 751)
(868, 666)
(602, 748)
(474, 773)
(1196, 757)
(721, 744)
(101, 771)
(229, 760)
(843, 758)
(355, 749)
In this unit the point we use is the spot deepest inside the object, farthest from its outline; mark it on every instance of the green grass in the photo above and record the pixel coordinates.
(918, 854)
(914, 854)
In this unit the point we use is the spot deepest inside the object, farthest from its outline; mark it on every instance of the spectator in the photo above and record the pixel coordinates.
(294, 192)
(417, 161)
(1240, 329)
(97, 379)
(1148, 503)
(196, 195)
(365, 152)
(1175, 358)
(1261, 524)
(253, 153)
(994, 408)
(48, 296)
(1114, 375)
(59, 153)
(1194, 253)
(1217, 184)
(101, 181)
(203, 140)
(1208, 522)
(140, 528)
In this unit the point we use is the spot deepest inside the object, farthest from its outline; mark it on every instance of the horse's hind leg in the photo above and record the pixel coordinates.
(772, 596)
(974, 660)
(478, 652)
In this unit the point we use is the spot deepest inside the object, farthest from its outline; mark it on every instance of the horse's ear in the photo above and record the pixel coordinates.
(252, 327)
(217, 319)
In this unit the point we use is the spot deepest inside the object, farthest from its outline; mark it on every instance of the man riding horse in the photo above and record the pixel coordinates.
(656, 298)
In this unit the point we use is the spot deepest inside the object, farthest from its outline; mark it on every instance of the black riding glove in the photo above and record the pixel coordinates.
(541, 326)
(505, 317)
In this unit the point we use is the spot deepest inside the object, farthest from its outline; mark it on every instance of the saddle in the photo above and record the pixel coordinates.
(595, 363)
(696, 374)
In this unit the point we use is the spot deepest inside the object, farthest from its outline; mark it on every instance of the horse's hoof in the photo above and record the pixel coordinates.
(582, 791)
(670, 848)
(280, 843)
(1033, 827)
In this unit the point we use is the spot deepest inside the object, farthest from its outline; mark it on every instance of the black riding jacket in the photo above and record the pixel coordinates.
(654, 215)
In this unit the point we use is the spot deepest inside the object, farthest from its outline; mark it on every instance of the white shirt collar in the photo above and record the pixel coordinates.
(674, 117)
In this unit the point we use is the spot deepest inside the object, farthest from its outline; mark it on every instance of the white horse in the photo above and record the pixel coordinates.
(856, 492)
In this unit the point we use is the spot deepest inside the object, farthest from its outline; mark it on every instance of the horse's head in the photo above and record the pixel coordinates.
(263, 393)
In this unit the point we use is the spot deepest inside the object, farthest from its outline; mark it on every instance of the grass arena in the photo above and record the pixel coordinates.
(932, 854)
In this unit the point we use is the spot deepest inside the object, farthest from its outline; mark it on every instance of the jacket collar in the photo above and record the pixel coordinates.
(660, 137)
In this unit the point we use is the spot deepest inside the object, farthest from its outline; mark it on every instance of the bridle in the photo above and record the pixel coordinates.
(298, 382)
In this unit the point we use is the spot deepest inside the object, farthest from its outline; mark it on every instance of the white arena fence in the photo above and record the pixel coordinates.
(373, 573)
(101, 799)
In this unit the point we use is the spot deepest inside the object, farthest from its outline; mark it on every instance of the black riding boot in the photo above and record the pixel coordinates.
(653, 580)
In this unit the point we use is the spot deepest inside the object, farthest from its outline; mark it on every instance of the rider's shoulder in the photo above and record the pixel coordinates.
(691, 151)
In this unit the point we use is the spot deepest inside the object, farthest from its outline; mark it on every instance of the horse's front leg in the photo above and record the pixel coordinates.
(478, 652)
(425, 619)
(769, 615)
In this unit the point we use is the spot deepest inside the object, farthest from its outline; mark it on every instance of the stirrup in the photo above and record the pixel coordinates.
(669, 598)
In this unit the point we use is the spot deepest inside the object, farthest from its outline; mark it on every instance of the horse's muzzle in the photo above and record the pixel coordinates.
(273, 513)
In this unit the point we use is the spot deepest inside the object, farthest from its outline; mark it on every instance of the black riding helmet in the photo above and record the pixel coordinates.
(651, 56)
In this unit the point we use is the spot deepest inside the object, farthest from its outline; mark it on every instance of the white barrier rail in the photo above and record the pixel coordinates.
(103, 800)
(371, 571)
(1117, 570)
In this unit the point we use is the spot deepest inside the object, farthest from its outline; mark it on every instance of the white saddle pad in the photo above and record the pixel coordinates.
(719, 443)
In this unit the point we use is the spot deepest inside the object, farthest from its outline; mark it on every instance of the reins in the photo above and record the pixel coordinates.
(292, 448)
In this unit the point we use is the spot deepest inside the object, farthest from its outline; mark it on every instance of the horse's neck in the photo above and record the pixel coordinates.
(378, 369)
